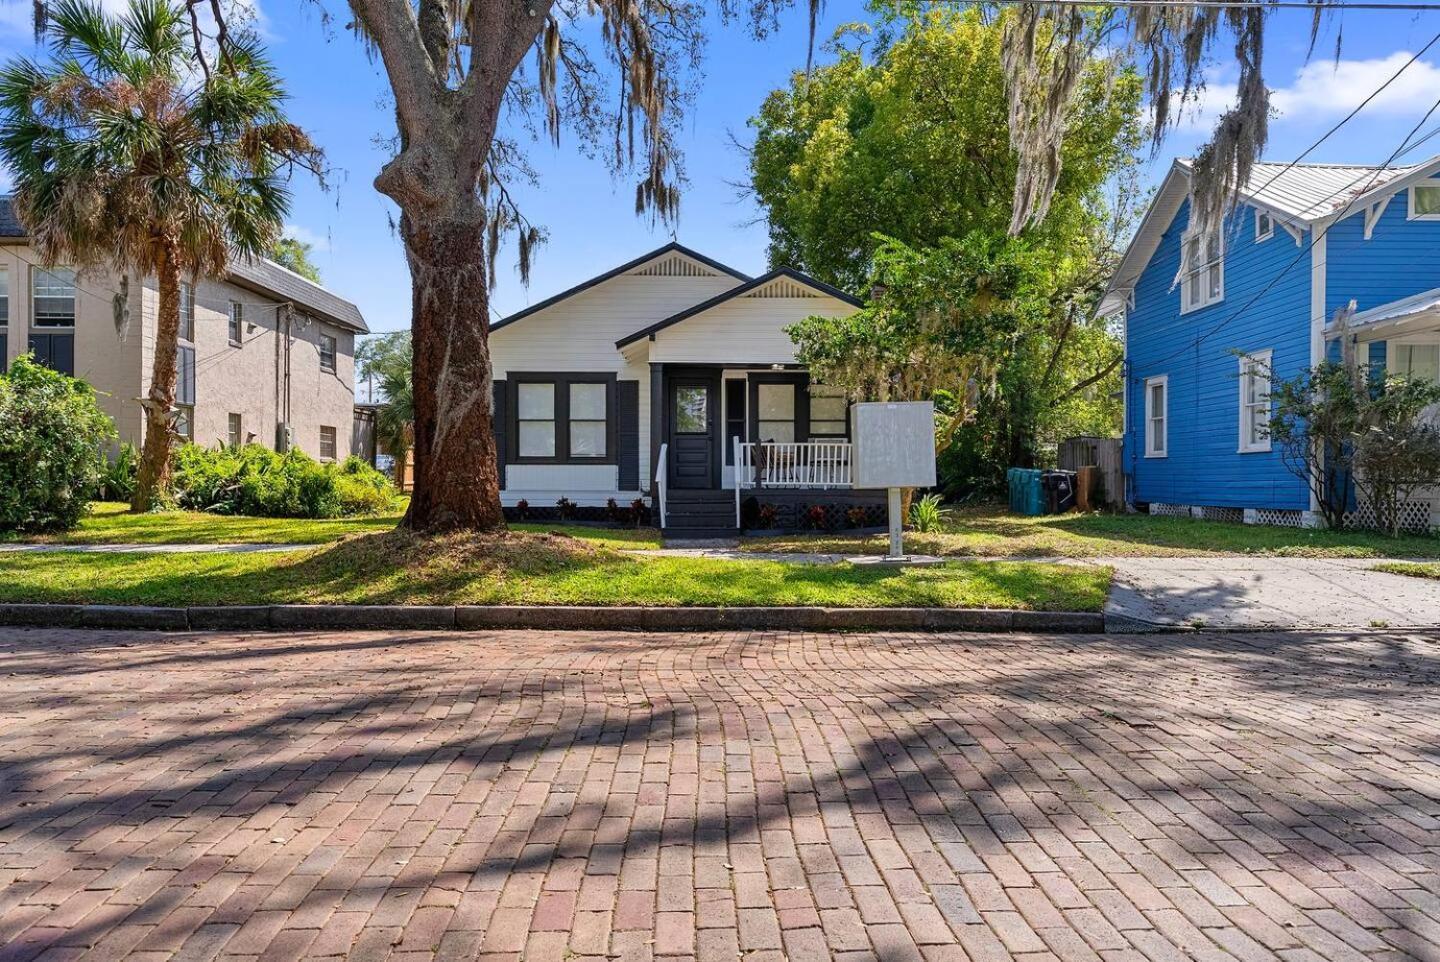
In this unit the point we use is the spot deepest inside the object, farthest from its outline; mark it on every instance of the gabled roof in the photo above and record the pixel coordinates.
(783, 272)
(656, 254)
(256, 273)
(1300, 195)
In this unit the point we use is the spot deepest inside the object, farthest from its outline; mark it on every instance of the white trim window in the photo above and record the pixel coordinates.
(1255, 402)
(1423, 200)
(1202, 275)
(1264, 225)
(1157, 416)
(1414, 357)
(235, 324)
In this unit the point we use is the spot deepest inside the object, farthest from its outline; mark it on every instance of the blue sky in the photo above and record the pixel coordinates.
(339, 96)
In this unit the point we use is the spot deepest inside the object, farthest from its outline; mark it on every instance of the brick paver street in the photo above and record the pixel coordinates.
(718, 797)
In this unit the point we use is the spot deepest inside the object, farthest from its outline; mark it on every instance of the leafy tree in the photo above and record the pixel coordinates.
(295, 254)
(387, 360)
(125, 158)
(52, 435)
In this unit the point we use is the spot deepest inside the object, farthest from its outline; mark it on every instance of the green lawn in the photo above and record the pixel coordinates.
(1431, 571)
(111, 523)
(529, 569)
(989, 532)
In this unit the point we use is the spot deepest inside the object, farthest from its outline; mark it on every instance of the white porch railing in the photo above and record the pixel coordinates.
(807, 464)
(660, 473)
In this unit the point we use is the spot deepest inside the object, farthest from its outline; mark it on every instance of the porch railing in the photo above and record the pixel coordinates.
(660, 474)
(802, 464)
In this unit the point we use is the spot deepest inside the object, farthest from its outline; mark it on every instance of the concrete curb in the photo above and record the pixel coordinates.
(413, 617)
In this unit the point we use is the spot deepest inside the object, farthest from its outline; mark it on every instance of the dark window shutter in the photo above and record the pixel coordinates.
(627, 433)
(185, 376)
(498, 422)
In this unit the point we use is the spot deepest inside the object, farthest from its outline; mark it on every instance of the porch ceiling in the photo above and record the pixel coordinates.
(1417, 313)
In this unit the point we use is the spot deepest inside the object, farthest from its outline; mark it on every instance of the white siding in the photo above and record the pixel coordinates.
(745, 330)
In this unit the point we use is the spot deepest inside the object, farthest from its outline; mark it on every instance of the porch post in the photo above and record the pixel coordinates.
(657, 420)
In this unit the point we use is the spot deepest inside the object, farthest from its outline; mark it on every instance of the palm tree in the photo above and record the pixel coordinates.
(130, 156)
(388, 359)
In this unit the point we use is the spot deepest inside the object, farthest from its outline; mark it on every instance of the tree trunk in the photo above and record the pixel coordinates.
(457, 485)
(152, 482)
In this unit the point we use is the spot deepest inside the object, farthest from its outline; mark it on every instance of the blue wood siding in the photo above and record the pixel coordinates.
(1204, 466)
(1398, 260)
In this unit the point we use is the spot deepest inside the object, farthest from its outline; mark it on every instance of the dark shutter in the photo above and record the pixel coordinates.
(498, 421)
(55, 351)
(627, 433)
(185, 376)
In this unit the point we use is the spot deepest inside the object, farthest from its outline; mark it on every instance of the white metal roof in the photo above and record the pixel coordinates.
(1311, 191)
(1425, 305)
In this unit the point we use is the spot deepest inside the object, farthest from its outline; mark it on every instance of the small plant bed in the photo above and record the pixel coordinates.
(991, 532)
(525, 568)
(1411, 569)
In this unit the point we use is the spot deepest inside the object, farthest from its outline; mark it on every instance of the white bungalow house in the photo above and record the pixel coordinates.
(671, 379)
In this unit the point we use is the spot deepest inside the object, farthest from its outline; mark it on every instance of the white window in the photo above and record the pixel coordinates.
(235, 322)
(1255, 402)
(327, 443)
(236, 430)
(829, 410)
(1157, 424)
(1264, 225)
(187, 312)
(53, 295)
(587, 420)
(535, 418)
(327, 353)
(1415, 359)
(1425, 201)
(1202, 276)
(776, 408)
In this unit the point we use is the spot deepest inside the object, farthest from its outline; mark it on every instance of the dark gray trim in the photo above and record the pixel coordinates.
(562, 380)
(657, 421)
(498, 424)
(732, 388)
(627, 433)
(615, 272)
(734, 292)
(710, 378)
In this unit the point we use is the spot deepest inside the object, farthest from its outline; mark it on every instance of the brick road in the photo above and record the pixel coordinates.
(585, 796)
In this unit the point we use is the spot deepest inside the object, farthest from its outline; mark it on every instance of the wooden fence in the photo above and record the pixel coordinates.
(1104, 455)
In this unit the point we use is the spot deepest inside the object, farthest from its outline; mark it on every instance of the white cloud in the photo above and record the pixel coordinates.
(320, 243)
(1325, 90)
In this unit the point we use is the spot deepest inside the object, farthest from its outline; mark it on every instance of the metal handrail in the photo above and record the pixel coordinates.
(660, 481)
(799, 464)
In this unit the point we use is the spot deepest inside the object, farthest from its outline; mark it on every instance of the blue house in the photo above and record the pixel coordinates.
(1205, 315)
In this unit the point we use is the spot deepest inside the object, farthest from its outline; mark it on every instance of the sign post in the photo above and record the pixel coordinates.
(894, 448)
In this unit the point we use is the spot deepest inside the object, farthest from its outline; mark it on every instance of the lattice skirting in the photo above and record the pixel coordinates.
(1213, 513)
(1414, 517)
(1281, 517)
(1169, 510)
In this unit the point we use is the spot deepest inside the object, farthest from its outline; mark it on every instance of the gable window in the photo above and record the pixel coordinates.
(235, 321)
(1425, 201)
(1264, 225)
(1157, 426)
(1255, 402)
(829, 410)
(327, 353)
(327, 443)
(53, 297)
(1202, 276)
(564, 418)
(187, 312)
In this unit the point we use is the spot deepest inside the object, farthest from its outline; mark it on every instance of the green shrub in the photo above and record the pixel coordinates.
(117, 478)
(254, 480)
(52, 433)
(925, 514)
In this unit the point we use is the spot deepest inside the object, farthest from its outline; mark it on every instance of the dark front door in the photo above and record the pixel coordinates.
(693, 432)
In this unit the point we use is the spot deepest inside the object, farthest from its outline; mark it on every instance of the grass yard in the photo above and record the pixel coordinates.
(1410, 568)
(989, 532)
(111, 523)
(519, 568)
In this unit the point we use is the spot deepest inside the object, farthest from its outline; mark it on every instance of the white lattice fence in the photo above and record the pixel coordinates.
(1414, 516)
(1214, 513)
(1281, 517)
(1169, 510)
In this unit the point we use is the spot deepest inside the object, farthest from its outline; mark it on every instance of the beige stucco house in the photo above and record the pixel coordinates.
(265, 355)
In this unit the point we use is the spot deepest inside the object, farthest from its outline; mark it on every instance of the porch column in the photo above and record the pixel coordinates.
(657, 421)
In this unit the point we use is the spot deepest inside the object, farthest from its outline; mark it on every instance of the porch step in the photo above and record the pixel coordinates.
(699, 515)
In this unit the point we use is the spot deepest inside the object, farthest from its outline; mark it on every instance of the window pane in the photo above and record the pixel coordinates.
(587, 439)
(1426, 200)
(1157, 435)
(829, 407)
(187, 312)
(781, 432)
(537, 439)
(827, 428)
(54, 296)
(691, 410)
(1215, 281)
(777, 402)
(1212, 247)
(587, 402)
(536, 402)
(1419, 360)
(1194, 288)
(1157, 400)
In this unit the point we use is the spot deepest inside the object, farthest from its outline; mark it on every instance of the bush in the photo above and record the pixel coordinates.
(925, 514)
(117, 479)
(253, 480)
(52, 433)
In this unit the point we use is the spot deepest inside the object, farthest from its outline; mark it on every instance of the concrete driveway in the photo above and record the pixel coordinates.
(594, 797)
(1259, 593)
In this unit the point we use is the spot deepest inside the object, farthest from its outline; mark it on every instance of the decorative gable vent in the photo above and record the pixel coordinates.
(782, 287)
(674, 266)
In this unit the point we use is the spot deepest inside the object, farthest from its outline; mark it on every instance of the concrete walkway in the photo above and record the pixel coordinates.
(1268, 593)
